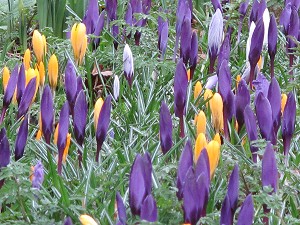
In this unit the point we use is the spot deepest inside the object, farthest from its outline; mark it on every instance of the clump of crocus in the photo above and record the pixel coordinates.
(79, 41)
(140, 183)
(269, 174)
(165, 128)
(37, 175)
(288, 123)
(21, 139)
(38, 44)
(53, 72)
(230, 202)
(180, 90)
(215, 34)
(128, 64)
(47, 114)
(272, 42)
(4, 152)
(102, 122)
(121, 210)
(247, 212)
(87, 220)
(27, 59)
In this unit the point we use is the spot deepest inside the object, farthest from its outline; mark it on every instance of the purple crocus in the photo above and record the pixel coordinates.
(256, 48)
(38, 175)
(247, 212)
(62, 134)
(257, 10)
(224, 53)
(149, 209)
(91, 16)
(163, 32)
(47, 114)
(293, 32)
(185, 40)
(180, 89)
(274, 97)
(99, 28)
(111, 8)
(121, 210)
(264, 117)
(79, 120)
(165, 128)
(185, 162)
(21, 83)
(272, 42)
(226, 214)
(193, 54)
(242, 99)
(288, 123)
(242, 10)
(215, 34)
(70, 84)
(21, 139)
(285, 17)
(27, 97)
(103, 124)
(4, 152)
(9, 92)
(216, 4)
(68, 221)
(250, 123)
(79, 85)
(140, 182)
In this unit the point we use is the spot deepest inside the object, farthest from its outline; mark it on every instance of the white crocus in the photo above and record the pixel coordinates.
(128, 64)
(215, 31)
(116, 87)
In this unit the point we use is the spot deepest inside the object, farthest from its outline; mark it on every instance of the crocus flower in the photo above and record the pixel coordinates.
(165, 128)
(242, 99)
(80, 115)
(224, 53)
(91, 16)
(247, 212)
(47, 114)
(163, 32)
(215, 34)
(272, 42)
(70, 84)
(27, 98)
(116, 87)
(185, 162)
(79, 41)
(38, 45)
(111, 8)
(103, 123)
(87, 220)
(250, 123)
(257, 11)
(201, 123)
(264, 117)
(185, 40)
(216, 107)
(242, 10)
(27, 59)
(99, 28)
(200, 144)
(140, 182)
(288, 122)
(293, 32)
(121, 210)
(197, 90)
(9, 92)
(274, 98)
(149, 209)
(193, 53)
(285, 17)
(213, 151)
(53, 71)
(180, 89)
(62, 134)
(21, 139)
(68, 221)
(128, 64)
(255, 48)
(38, 175)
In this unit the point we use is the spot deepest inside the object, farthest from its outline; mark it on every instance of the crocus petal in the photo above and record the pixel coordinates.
(194, 53)
(243, 8)
(264, 117)
(47, 113)
(266, 20)
(99, 27)
(180, 89)
(185, 162)
(250, 123)
(272, 37)
(121, 209)
(70, 83)
(91, 16)
(211, 82)
(79, 85)
(185, 40)
(149, 209)
(4, 149)
(202, 166)
(53, 71)
(128, 14)
(165, 128)
(256, 43)
(285, 17)
(288, 122)
(269, 175)
(203, 188)
(68, 221)
(242, 99)
(257, 10)
(21, 83)
(216, 4)
(27, 98)
(163, 38)
(226, 213)
(80, 115)
(213, 150)
(103, 124)
(38, 175)
(11, 86)
(233, 189)
(200, 144)
(21, 139)
(274, 97)
(116, 87)
(293, 29)
(247, 212)
(224, 53)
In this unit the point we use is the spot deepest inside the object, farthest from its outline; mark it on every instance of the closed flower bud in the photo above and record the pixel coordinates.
(21, 139)
(26, 59)
(247, 212)
(116, 87)
(197, 89)
(79, 41)
(38, 45)
(53, 71)
(47, 113)
(5, 77)
(201, 123)
(87, 220)
(128, 64)
(213, 151)
(199, 145)
(216, 107)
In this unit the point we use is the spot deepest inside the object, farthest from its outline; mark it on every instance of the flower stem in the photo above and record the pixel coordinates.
(181, 126)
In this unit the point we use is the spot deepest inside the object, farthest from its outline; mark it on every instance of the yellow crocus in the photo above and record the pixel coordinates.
(38, 45)
(53, 71)
(207, 95)
(199, 145)
(5, 77)
(201, 123)
(79, 41)
(87, 220)
(27, 59)
(197, 89)
(97, 109)
(41, 69)
(283, 102)
(213, 151)
(217, 138)
(66, 150)
(216, 108)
